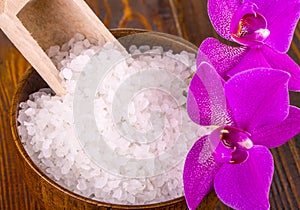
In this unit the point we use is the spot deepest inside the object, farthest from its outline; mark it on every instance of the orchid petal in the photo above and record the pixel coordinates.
(220, 13)
(202, 57)
(254, 58)
(246, 185)
(285, 63)
(274, 136)
(206, 101)
(282, 17)
(221, 56)
(258, 97)
(199, 171)
(263, 56)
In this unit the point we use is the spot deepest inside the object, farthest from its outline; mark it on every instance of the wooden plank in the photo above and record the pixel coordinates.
(13, 191)
(194, 20)
(155, 15)
(286, 185)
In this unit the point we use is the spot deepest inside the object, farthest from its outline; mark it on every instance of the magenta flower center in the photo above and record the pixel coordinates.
(248, 27)
(230, 145)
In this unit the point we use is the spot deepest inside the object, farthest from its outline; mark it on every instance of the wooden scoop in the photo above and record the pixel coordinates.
(35, 25)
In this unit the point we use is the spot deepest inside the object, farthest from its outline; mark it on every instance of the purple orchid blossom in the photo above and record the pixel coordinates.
(251, 113)
(264, 28)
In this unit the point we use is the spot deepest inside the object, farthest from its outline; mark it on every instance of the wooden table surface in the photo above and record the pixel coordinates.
(187, 19)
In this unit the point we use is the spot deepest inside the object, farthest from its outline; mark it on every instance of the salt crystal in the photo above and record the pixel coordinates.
(77, 48)
(58, 57)
(113, 184)
(31, 130)
(160, 48)
(47, 153)
(53, 50)
(135, 185)
(46, 144)
(100, 42)
(61, 152)
(138, 152)
(93, 41)
(24, 105)
(165, 190)
(108, 46)
(193, 68)
(101, 182)
(149, 185)
(143, 104)
(61, 76)
(71, 42)
(117, 194)
(144, 48)
(150, 195)
(89, 52)
(131, 199)
(174, 123)
(165, 107)
(132, 48)
(81, 185)
(86, 43)
(65, 47)
(67, 73)
(22, 117)
(78, 37)
(72, 55)
(66, 168)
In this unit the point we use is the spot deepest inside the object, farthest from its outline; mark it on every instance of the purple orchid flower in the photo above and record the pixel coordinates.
(251, 113)
(264, 28)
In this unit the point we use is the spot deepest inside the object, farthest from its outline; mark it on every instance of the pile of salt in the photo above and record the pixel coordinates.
(49, 136)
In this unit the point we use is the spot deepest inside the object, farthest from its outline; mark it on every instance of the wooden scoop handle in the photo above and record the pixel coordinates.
(35, 25)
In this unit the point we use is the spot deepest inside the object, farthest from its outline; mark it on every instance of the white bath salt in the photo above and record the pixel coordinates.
(53, 51)
(67, 73)
(49, 135)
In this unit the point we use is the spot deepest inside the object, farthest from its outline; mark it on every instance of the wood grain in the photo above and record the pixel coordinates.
(186, 18)
(23, 40)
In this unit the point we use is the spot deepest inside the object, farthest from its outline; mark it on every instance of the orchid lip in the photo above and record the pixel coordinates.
(248, 27)
(230, 144)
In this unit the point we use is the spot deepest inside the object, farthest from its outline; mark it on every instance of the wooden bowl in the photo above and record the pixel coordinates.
(48, 193)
